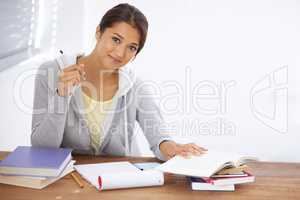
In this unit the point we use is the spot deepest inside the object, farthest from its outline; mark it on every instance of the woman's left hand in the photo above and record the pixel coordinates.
(169, 149)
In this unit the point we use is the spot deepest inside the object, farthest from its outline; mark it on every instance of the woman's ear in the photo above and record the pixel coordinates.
(98, 33)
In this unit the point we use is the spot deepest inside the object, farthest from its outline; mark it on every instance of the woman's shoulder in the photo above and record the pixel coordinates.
(143, 87)
(49, 65)
(47, 73)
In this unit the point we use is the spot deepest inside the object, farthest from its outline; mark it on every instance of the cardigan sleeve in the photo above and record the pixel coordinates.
(150, 119)
(49, 109)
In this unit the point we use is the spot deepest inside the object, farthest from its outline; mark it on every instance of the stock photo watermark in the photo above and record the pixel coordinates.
(275, 86)
(207, 99)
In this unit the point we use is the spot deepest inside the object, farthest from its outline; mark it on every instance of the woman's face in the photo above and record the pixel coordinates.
(117, 45)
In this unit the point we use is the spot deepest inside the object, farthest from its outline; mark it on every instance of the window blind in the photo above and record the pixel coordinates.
(18, 22)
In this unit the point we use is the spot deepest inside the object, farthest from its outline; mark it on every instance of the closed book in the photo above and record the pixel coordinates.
(200, 184)
(248, 178)
(36, 161)
(34, 182)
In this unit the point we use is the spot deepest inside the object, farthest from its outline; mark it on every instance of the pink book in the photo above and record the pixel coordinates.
(229, 180)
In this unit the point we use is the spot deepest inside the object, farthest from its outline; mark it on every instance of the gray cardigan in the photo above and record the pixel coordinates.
(60, 121)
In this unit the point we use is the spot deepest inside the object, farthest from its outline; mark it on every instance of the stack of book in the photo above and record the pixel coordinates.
(213, 171)
(224, 180)
(35, 167)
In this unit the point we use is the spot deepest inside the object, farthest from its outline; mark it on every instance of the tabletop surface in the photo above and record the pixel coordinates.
(273, 181)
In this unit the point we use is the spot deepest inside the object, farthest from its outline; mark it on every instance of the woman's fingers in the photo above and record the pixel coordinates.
(81, 71)
(70, 77)
(182, 150)
(77, 67)
(198, 149)
(66, 76)
(170, 149)
(65, 88)
(74, 68)
(190, 149)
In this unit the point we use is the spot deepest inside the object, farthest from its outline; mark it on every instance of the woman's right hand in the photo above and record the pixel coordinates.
(68, 78)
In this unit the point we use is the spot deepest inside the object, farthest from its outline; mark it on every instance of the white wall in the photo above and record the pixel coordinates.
(16, 85)
(242, 56)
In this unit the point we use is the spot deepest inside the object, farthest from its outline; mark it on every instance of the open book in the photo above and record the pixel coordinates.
(204, 165)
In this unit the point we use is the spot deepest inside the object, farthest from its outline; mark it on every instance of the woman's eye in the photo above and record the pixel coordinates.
(116, 40)
(133, 48)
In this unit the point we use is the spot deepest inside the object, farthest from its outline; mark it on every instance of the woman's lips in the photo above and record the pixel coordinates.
(115, 59)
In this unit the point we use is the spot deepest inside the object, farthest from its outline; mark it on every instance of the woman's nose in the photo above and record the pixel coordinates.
(120, 52)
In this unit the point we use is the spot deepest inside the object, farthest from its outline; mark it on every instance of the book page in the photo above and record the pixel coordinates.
(204, 165)
(245, 158)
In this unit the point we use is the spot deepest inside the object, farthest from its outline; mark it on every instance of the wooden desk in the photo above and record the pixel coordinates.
(273, 181)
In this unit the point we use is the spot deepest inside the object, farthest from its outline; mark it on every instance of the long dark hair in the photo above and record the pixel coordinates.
(129, 14)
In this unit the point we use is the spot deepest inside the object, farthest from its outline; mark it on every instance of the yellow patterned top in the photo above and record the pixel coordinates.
(95, 114)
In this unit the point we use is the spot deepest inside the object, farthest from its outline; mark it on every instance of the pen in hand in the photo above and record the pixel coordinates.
(69, 77)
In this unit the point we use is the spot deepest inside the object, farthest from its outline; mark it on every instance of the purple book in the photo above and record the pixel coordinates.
(36, 161)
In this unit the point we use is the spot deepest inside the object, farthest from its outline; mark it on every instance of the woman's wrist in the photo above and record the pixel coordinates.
(165, 142)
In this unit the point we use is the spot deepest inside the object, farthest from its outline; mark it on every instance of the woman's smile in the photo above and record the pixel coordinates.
(114, 59)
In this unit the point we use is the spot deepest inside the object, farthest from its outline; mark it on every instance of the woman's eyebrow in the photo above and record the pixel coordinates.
(123, 38)
(119, 35)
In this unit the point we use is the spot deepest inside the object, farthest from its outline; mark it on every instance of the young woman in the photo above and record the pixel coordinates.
(98, 117)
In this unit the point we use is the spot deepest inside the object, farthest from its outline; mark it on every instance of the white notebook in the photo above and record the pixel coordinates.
(117, 175)
(199, 184)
